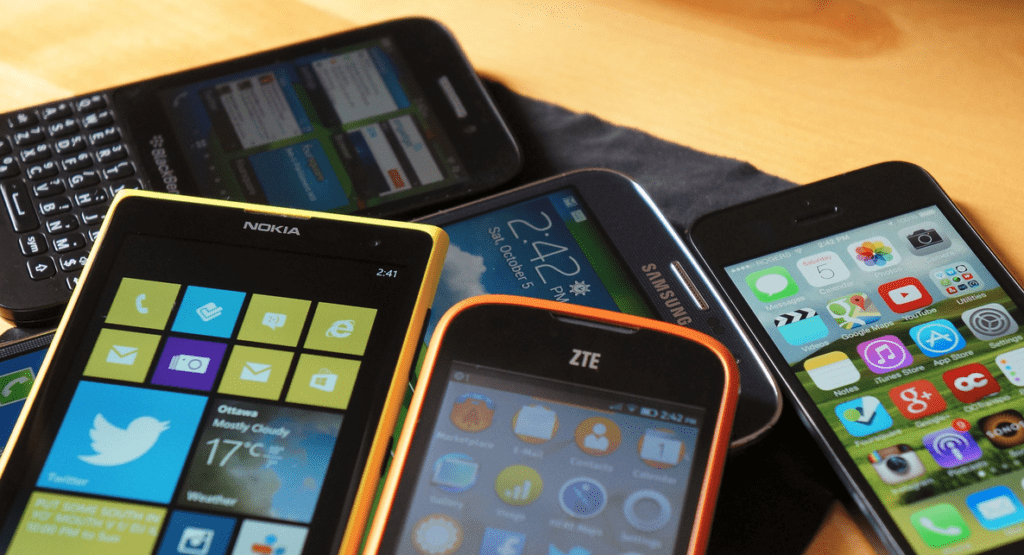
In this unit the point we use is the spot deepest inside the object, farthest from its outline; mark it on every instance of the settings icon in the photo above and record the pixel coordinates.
(990, 321)
(579, 288)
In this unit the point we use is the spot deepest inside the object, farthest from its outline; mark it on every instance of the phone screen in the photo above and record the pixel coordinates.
(212, 405)
(17, 374)
(912, 353)
(335, 131)
(548, 247)
(520, 464)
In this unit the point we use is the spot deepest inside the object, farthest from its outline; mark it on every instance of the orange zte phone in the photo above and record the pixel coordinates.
(545, 427)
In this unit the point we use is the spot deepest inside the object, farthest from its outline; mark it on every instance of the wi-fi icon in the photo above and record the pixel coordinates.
(631, 408)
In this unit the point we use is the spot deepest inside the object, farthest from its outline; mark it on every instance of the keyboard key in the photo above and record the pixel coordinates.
(9, 167)
(57, 111)
(111, 154)
(36, 153)
(91, 198)
(80, 161)
(120, 170)
(22, 120)
(94, 216)
(70, 242)
(62, 224)
(5, 145)
(70, 145)
(62, 128)
(42, 171)
(73, 263)
(54, 207)
(29, 137)
(41, 268)
(98, 119)
(105, 136)
(19, 207)
(90, 103)
(133, 184)
(71, 282)
(32, 244)
(48, 188)
(81, 180)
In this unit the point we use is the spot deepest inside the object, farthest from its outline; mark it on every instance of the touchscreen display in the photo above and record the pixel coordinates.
(548, 247)
(518, 464)
(216, 404)
(334, 131)
(914, 356)
(17, 375)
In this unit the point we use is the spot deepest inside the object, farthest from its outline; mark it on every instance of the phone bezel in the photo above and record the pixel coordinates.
(797, 216)
(489, 153)
(623, 213)
(492, 330)
(414, 249)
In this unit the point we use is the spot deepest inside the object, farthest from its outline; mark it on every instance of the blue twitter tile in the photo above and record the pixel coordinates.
(123, 442)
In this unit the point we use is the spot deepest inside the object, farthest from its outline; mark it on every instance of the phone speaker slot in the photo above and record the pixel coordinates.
(598, 325)
(684, 278)
(818, 215)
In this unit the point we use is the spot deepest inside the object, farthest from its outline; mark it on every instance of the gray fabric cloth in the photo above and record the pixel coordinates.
(775, 492)
(683, 182)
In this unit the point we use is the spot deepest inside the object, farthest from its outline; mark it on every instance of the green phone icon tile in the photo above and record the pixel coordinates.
(274, 320)
(122, 355)
(340, 328)
(772, 284)
(143, 303)
(940, 525)
(254, 372)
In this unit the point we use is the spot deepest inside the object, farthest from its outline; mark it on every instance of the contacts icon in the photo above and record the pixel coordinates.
(598, 436)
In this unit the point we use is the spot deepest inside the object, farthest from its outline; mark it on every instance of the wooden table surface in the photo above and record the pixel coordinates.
(803, 89)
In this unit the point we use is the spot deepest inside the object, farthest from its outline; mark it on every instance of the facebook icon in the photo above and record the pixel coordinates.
(502, 542)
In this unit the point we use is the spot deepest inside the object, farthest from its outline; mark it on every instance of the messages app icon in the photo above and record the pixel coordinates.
(772, 284)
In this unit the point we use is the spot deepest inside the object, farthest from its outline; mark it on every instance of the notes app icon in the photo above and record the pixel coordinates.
(884, 354)
(831, 370)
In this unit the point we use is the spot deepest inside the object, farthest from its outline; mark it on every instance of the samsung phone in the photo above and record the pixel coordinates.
(388, 120)
(546, 427)
(594, 238)
(896, 333)
(20, 362)
(225, 386)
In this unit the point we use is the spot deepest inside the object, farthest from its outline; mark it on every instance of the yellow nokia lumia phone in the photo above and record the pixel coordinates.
(226, 380)
(547, 427)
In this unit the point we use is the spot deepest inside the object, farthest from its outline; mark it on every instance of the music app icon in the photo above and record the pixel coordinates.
(884, 354)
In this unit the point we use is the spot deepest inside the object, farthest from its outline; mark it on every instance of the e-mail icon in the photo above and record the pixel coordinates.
(119, 354)
(256, 372)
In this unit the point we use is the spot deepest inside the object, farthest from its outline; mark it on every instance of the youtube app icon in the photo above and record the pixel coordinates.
(905, 294)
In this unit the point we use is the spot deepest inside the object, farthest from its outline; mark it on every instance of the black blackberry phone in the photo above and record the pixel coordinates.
(388, 120)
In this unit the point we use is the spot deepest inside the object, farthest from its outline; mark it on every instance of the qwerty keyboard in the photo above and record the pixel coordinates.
(60, 165)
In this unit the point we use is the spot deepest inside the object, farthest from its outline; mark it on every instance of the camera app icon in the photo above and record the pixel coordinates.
(896, 464)
(189, 363)
(924, 239)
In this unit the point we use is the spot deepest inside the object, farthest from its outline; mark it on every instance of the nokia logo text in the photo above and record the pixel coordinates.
(269, 228)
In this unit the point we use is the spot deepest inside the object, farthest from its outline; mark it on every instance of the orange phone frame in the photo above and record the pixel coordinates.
(719, 445)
